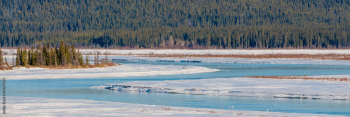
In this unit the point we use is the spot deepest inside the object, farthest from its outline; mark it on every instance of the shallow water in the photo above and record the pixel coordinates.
(79, 89)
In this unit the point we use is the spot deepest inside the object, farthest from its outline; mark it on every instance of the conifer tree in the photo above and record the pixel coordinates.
(39, 57)
(29, 57)
(51, 57)
(47, 54)
(21, 57)
(7, 62)
(68, 55)
(34, 57)
(18, 57)
(55, 58)
(62, 54)
(1, 57)
(81, 61)
(57, 53)
(87, 59)
(24, 58)
(44, 52)
(73, 55)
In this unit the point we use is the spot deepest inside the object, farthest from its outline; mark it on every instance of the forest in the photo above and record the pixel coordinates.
(222, 24)
(64, 56)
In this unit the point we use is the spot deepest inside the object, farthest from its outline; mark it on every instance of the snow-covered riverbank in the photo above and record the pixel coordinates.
(131, 54)
(117, 71)
(210, 51)
(251, 87)
(221, 52)
(233, 60)
(30, 106)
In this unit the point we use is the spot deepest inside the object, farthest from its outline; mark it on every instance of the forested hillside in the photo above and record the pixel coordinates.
(177, 23)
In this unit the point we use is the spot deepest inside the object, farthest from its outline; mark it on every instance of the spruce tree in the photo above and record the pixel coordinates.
(87, 60)
(51, 57)
(1, 58)
(44, 55)
(68, 55)
(34, 57)
(24, 58)
(81, 61)
(21, 57)
(57, 55)
(62, 53)
(29, 57)
(55, 58)
(7, 62)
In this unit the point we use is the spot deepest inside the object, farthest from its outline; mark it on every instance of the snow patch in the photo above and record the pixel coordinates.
(116, 71)
(210, 51)
(219, 52)
(31, 106)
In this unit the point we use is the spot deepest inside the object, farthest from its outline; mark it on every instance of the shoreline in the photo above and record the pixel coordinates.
(210, 51)
(336, 57)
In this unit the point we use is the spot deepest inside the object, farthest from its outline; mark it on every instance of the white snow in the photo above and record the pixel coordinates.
(211, 51)
(116, 71)
(219, 52)
(254, 87)
(31, 106)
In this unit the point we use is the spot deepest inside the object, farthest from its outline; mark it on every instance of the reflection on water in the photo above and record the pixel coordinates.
(79, 89)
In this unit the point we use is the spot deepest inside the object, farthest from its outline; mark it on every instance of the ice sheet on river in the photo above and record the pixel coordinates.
(117, 71)
(257, 87)
(31, 106)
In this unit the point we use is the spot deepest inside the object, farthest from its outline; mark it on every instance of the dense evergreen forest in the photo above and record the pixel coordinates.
(176, 23)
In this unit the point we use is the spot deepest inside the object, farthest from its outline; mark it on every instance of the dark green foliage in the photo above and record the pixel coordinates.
(18, 56)
(81, 60)
(188, 23)
(24, 57)
(87, 60)
(47, 56)
(1, 57)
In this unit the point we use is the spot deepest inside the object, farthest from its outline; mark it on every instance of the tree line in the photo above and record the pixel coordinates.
(176, 23)
(64, 55)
